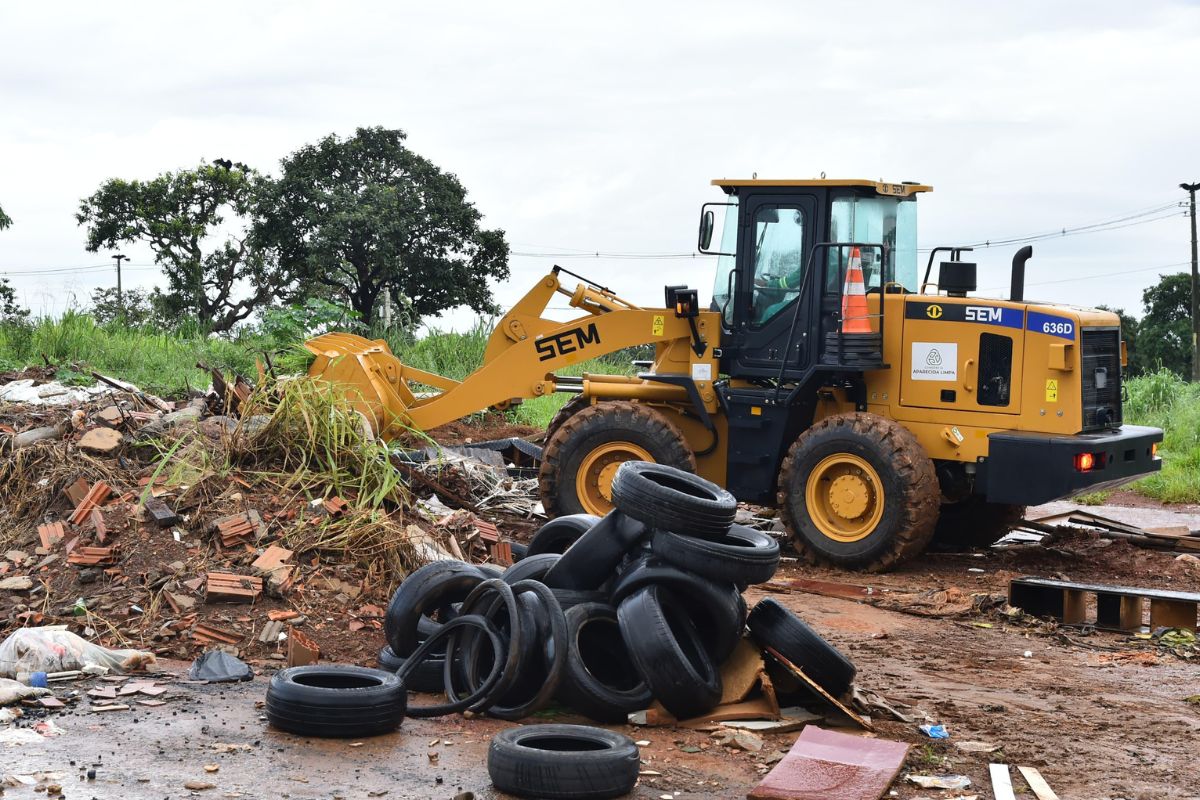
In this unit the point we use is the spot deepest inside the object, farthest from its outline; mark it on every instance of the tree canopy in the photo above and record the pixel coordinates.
(196, 222)
(5, 220)
(1165, 332)
(353, 217)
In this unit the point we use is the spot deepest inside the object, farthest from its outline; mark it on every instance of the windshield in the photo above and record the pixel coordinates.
(889, 221)
(725, 262)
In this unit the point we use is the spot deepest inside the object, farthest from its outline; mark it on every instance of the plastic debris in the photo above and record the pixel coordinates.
(940, 781)
(52, 649)
(14, 691)
(935, 731)
(217, 666)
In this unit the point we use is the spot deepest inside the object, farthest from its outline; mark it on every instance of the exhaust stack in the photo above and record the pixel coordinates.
(1017, 290)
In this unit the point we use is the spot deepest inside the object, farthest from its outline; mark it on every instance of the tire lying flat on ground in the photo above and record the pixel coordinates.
(563, 762)
(582, 458)
(773, 625)
(672, 499)
(335, 701)
(743, 555)
(858, 491)
(600, 680)
(669, 652)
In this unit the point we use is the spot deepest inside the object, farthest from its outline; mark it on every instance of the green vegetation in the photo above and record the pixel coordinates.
(1162, 399)
(164, 363)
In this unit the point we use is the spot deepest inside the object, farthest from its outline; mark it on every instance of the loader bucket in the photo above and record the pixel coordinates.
(372, 377)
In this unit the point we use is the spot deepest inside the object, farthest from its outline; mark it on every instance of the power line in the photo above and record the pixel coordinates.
(1090, 277)
(1127, 220)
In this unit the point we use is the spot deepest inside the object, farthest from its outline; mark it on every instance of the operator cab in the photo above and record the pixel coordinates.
(779, 320)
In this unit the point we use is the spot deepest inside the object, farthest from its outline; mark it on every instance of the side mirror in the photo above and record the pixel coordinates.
(707, 223)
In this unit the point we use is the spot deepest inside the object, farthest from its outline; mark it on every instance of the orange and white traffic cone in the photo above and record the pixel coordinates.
(856, 318)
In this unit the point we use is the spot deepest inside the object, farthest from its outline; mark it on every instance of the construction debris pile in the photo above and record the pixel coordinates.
(265, 521)
(640, 612)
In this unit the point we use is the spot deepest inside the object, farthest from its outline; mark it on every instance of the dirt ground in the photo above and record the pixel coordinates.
(1101, 715)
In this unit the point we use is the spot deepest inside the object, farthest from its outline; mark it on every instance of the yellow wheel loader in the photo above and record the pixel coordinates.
(828, 378)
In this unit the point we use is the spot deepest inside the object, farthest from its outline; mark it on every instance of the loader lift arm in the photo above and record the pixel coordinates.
(523, 354)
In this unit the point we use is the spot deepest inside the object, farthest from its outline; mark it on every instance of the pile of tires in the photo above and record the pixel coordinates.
(605, 614)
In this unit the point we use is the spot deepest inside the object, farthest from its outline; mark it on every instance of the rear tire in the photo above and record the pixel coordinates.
(583, 456)
(858, 491)
(975, 523)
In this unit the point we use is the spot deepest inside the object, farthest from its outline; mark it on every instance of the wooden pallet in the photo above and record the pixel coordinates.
(1117, 607)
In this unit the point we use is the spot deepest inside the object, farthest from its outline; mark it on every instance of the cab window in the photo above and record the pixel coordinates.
(889, 221)
(778, 260)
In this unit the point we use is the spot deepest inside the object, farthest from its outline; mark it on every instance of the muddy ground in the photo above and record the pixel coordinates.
(1102, 715)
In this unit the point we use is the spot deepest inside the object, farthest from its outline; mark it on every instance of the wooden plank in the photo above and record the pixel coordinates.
(1002, 788)
(1074, 607)
(817, 689)
(1036, 782)
(1133, 591)
(1172, 614)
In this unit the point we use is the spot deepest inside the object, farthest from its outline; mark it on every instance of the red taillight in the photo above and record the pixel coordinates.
(1084, 462)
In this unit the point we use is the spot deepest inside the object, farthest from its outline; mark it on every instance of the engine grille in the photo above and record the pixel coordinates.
(1101, 378)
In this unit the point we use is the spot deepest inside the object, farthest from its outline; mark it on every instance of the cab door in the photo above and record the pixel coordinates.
(962, 355)
(777, 234)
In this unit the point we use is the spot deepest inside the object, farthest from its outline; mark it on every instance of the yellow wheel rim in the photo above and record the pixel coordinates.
(593, 481)
(844, 497)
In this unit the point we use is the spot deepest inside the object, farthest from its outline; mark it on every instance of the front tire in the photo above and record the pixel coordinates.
(583, 456)
(858, 491)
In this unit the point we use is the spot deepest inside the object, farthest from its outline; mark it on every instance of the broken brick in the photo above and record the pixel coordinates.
(101, 440)
(94, 497)
(92, 556)
(277, 615)
(98, 523)
(233, 588)
(76, 492)
(211, 634)
(271, 559)
(51, 534)
(301, 649)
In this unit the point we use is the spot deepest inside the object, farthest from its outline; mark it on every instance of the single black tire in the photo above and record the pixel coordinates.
(717, 607)
(563, 762)
(491, 570)
(532, 568)
(560, 533)
(879, 449)
(600, 680)
(975, 523)
(591, 561)
(669, 652)
(568, 410)
(772, 625)
(632, 427)
(463, 645)
(744, 556)
(335, 701)
(672, 499)
(425, 677)
(431, 587)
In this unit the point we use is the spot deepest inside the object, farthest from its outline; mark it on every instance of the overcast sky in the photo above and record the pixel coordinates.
(599, 129)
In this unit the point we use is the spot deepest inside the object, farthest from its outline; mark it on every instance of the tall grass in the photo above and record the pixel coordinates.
(1163, 400)
(158, 362)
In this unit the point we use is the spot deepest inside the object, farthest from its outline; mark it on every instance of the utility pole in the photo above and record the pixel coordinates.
(121, 299)
(1191, 188)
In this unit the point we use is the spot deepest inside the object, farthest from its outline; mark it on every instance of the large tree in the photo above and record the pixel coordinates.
(196, 221)
(360, 215)
(5, 220)
(1165, 332)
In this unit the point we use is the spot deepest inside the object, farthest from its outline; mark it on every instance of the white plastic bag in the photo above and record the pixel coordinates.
(53, 649)
(12, 692)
